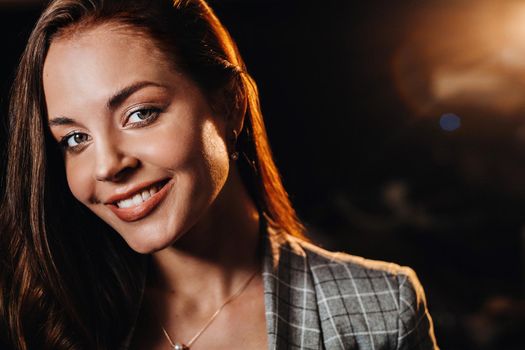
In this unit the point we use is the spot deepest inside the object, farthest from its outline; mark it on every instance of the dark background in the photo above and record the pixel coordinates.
(356, 96)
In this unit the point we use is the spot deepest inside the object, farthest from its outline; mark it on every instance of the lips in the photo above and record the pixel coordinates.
(140, 202)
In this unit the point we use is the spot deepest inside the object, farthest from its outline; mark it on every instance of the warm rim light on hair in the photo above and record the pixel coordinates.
(47, 258)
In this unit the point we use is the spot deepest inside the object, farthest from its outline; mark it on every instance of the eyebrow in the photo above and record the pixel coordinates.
(60, 121)
(118, 98)
(114, 101)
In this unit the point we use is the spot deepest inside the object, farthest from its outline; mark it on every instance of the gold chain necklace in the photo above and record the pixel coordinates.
(182, 346)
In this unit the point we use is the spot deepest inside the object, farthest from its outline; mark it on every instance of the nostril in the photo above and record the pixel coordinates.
(124, 173)
(116, 167)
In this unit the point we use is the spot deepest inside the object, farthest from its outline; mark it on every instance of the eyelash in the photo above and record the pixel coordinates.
(153, 112)
(64, 142)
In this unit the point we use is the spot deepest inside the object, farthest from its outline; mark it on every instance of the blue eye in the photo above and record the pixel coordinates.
(143, 116)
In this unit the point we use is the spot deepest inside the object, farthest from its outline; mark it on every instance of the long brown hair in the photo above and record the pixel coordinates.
(69, 281)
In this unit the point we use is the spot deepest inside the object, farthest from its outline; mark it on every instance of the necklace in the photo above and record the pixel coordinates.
(182, 346)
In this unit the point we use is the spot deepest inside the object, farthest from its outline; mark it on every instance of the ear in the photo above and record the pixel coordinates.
(231, 103)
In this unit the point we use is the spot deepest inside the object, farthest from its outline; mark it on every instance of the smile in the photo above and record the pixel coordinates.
(140, 203)
(139, 198)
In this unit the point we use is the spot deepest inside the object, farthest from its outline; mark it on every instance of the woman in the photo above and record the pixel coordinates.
(143, 209)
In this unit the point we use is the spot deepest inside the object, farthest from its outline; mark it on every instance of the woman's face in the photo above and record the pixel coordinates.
(142, 148)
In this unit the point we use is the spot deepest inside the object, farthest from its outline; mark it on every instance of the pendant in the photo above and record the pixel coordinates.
(180, 346)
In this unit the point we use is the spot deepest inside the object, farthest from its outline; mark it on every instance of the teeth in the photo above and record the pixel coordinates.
(125, 203)
(145, 195)
(152, 191)
(138, 198)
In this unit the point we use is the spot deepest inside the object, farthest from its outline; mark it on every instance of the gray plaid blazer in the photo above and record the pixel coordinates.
(317, 299)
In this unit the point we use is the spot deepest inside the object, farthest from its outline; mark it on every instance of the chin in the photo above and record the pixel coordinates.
(142, 249)
(146, 248)
(145, 243)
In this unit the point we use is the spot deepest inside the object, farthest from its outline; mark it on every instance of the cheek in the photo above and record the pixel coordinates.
(187, 146)
(215, 153)
(196, 155)
(79, 181)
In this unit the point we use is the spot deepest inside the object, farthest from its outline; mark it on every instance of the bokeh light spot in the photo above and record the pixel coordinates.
(449, 122)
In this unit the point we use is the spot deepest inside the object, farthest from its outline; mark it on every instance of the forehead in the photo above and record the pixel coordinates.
(92, 63)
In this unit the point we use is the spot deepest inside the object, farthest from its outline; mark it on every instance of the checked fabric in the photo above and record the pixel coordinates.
(317, 299)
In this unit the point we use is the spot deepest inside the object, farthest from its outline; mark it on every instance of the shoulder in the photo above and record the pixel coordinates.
(340, 265)
(382, 298)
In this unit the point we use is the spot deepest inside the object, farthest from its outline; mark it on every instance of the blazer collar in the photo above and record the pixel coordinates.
(292, 315)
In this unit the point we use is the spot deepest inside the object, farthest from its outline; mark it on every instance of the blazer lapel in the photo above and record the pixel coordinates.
(292, 315)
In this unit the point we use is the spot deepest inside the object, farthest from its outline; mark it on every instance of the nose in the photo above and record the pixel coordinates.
(112, 164)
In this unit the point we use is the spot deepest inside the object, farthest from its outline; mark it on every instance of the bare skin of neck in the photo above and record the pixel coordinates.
(192, 278)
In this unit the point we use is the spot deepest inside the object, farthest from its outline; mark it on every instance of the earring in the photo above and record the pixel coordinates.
(235, 154)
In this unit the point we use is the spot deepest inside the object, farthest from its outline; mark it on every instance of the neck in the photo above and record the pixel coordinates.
(217, 255)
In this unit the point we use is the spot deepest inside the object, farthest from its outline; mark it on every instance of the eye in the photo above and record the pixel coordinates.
(143, 116)
(74, 140)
